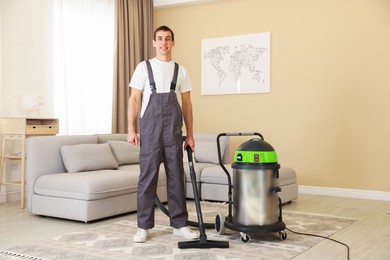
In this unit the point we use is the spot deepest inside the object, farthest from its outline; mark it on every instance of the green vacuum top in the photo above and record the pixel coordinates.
(255, 151)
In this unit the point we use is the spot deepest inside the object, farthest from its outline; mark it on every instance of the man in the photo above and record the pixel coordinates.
(156, 81)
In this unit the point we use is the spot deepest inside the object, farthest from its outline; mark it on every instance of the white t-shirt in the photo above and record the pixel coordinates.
(163, 74)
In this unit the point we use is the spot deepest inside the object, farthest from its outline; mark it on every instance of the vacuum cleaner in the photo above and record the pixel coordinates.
(257, 207)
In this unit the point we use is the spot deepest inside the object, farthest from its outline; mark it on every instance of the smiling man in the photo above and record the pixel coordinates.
(156, 82)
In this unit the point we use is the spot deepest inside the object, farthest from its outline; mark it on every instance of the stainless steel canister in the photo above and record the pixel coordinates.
(255, 200)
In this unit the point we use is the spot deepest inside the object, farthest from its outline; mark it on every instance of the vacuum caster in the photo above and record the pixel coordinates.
(282, 235)
(220, 223)
(245, 238)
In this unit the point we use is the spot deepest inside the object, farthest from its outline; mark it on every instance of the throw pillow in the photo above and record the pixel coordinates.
(87, 157)
(206, 152)
(124, 152)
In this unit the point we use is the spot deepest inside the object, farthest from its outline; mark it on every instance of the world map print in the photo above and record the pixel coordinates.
(234, 65)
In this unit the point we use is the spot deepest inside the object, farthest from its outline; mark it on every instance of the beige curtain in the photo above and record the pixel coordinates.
(133, 44)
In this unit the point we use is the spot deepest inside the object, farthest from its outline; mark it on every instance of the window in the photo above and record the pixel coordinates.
(83, 65)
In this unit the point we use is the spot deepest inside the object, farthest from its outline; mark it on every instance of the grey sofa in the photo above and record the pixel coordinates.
(89, 177)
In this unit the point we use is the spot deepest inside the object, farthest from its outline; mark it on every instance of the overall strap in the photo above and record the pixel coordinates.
(174, 79)
(151, 78)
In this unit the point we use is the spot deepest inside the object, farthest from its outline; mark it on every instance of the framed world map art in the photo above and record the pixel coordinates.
(236, 64)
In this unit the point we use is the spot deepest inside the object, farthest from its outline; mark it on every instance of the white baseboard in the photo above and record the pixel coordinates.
(3, 198)
(348, 193)
(10, 196)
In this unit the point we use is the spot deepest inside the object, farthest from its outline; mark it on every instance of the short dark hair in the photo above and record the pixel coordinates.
(165, 29)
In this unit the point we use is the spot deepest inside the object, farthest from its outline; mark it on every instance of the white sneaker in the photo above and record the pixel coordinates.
(185, 232)
(141, 235)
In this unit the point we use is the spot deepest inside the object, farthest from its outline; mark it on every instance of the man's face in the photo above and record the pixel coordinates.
(163, 42)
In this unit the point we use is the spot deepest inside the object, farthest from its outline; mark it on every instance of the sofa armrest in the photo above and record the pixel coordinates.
(212, 152)
(44, 157)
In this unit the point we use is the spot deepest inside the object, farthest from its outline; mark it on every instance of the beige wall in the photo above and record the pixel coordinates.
(327, 113)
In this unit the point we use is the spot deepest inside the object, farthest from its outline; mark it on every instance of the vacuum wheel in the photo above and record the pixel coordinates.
(220, 223)
(245, 238)
(282, 235)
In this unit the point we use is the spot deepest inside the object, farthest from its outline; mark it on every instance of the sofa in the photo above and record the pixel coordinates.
(90, 177)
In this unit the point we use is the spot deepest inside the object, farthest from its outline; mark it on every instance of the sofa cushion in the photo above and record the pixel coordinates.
(216, 174)
(88, 157)
(207, 151)
(87, 185)
(124, 152)
(287, 176)
(198, 168)
(135, 168)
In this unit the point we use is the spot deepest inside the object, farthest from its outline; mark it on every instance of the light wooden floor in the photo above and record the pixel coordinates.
(368, 238)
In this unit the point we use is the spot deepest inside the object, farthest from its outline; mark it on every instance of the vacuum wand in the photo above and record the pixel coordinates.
(196, 195)
(202, 242)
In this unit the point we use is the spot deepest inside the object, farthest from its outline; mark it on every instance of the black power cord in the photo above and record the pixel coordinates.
(314, 235)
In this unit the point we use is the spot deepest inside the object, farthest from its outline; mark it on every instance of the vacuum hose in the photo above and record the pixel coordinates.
(189, 222)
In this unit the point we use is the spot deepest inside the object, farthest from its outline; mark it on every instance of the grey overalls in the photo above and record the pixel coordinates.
(161, 141)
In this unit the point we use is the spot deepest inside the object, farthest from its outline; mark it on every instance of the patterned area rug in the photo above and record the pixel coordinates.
(114, 240)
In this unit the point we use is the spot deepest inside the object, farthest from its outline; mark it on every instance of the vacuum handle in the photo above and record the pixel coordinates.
(188, 149)
(189, 153)
(243, 134)
(233, 134)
